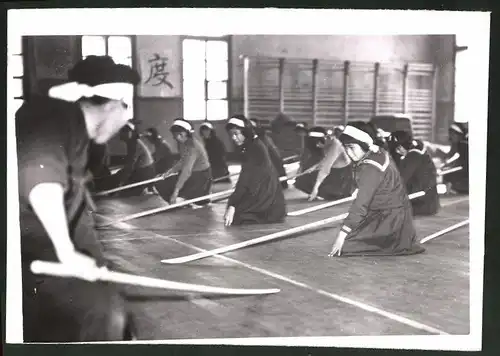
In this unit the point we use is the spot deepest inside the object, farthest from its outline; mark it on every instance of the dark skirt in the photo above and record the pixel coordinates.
(220, 170)
(459, 181)
(388, 232)
(337, 185)
(69, 309)
(261, 207)
(163, 164)
(197, 185)
(428, 204)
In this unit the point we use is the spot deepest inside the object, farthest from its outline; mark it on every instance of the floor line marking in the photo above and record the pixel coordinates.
(369, 308)
(448, 203)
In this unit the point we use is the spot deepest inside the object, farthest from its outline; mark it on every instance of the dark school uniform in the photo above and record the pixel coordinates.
(258, 197)
(52, 147)
(458, 156)
(162, 156)
(217, 157)
(380, 219)
(419, 174)
(274, 154)
(339, 182)
(195, 176)
(139, 167)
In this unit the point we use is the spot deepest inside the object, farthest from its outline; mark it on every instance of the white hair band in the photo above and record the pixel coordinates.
(456, 128)
(74, 91)
(185, 125)
(358, 135)
(316, 134)
(237, 122)
(207, 124)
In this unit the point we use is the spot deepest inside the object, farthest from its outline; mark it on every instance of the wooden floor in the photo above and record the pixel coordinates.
(415, 295)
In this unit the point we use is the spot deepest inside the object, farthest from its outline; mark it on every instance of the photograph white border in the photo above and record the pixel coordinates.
(219, 22)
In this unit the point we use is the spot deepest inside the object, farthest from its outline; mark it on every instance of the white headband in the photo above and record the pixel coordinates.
(74, 91)
(456, 128)
(236, 122)
(185, 125)
(361, 136)
(316, 134)
(300, 125)
(207, 124)
(358, 134)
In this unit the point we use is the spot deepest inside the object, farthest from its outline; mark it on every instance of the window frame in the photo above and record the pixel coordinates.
(228, 81)
(133, 45)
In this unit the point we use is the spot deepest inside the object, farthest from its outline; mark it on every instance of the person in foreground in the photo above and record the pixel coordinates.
(258, 197)
(53, 135)
(380, 220)
(418, 172)
(191, 176)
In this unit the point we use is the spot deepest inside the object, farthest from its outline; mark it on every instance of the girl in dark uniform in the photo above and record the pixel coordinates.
(216, 153)
(162, 156)
(380, 220)
(418, 172)
(301, 131)
(333, 178)
(194, 176)
(53, 135)
(98, 166)
(458, 156)
(139, 163)
(258, 197)
(273, 151)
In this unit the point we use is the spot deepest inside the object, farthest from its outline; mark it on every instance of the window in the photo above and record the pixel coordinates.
(117, 47)
(205, 69)
(16, 64)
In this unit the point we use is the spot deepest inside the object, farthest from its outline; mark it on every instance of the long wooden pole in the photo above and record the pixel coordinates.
(133, 185)
(444, 231)
(103, 274)
(238, 173)
(258, 240)
(184, 203)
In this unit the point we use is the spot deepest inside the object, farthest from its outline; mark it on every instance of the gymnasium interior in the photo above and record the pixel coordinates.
(319, 80)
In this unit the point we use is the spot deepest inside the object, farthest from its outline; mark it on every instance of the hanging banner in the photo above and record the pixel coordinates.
(160, 74)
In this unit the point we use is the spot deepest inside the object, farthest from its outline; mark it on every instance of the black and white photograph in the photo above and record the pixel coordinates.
(204, 176)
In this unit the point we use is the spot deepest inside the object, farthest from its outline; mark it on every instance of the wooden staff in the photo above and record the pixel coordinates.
(168, 207)
(274, 236)
(238, 173)
(181, 204)
(442, 232)
(133, 185)
(258, 240)
(228, 176)
(290, 158)
(321, 206)
(105, 275)
(451, 170)
(340, 201)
